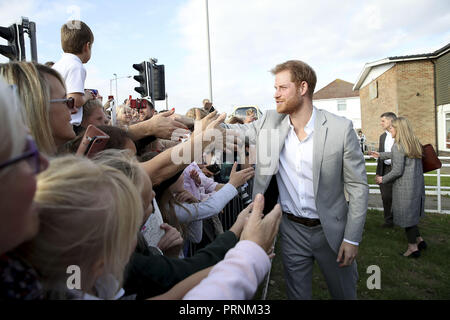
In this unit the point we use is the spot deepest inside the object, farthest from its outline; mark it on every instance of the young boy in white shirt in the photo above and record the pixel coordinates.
(76, 41)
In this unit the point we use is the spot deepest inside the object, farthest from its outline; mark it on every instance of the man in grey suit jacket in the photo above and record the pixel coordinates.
(306, 158)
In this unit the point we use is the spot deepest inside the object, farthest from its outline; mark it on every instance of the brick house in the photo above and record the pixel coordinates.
(338, 97)
(415, 87)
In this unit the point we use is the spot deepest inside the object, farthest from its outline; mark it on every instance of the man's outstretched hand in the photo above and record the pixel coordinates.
(262, 229)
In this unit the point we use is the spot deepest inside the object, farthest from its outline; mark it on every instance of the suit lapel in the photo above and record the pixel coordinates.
(320, 134)
(284, 130)
(382, 140)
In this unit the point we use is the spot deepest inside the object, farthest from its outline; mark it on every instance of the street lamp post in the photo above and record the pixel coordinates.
(110, 84)
(167, 102)
(117, 95)
(209, 52)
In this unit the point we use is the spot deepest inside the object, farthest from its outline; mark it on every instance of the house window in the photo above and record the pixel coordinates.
(373, 90)
(341, 105)
(447, 130)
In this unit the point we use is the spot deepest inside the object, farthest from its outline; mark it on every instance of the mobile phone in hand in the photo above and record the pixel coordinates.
(93, 141)
(97, 144)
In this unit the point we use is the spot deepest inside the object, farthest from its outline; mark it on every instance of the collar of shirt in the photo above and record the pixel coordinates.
(309, 128)
(72, 56)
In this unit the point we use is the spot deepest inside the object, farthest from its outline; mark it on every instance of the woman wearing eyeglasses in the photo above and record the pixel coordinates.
(46, 109)
(20, 161)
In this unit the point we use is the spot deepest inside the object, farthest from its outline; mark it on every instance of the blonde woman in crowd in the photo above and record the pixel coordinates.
(408, 193)
(20, 162)
(90, 217)
(46, 109)
(149, 274)
(124, 115)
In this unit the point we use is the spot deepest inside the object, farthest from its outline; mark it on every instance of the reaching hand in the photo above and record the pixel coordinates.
(374, 154)
(238, 178)
(196, 177)
(261, 230)
(171, 242)
(379, 179)
(188, 122)
(162, 126)
(241, 220)
(209, 129)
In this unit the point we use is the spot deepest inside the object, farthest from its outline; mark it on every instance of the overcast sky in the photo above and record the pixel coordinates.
(248, 38)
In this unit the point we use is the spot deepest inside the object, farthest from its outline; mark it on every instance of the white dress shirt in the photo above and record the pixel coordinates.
(388, 143)
(295, 174)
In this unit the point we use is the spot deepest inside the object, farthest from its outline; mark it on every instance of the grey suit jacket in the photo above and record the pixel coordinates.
(408, 190)
(380, 167)
(338, 164)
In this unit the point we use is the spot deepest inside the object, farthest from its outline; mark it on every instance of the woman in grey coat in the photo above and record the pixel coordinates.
(408, 193)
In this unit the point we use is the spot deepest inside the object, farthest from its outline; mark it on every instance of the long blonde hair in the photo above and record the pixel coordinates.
(406, 139)
(89, 213)
(34, 93)
(124, 161)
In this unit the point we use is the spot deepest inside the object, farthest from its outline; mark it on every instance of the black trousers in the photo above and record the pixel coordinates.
(386, 196)
(412, 233)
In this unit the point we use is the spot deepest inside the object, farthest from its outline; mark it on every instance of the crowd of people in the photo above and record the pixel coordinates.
(62, 207)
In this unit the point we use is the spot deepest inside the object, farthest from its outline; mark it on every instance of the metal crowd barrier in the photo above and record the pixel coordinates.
(227, 218)
(437, 190)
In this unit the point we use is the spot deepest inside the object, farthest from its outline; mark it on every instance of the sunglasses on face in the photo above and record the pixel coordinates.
(70, 102)
(31, 154)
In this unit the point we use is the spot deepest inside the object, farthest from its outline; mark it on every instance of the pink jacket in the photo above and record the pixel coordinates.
(236, 277)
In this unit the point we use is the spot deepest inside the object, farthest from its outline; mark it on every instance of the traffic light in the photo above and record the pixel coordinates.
(143, 78)
(14, 34)
(15, 50)
(152, 79)
(158, 82)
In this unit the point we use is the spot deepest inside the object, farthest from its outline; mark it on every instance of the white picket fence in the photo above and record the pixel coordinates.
(437, 190)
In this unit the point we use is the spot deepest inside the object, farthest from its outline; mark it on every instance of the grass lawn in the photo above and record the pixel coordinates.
(427, 277)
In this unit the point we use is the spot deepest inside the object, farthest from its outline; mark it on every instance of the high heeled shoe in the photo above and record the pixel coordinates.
(422, 245)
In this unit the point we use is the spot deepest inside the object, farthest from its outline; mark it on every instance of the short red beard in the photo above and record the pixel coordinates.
(290, 106)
